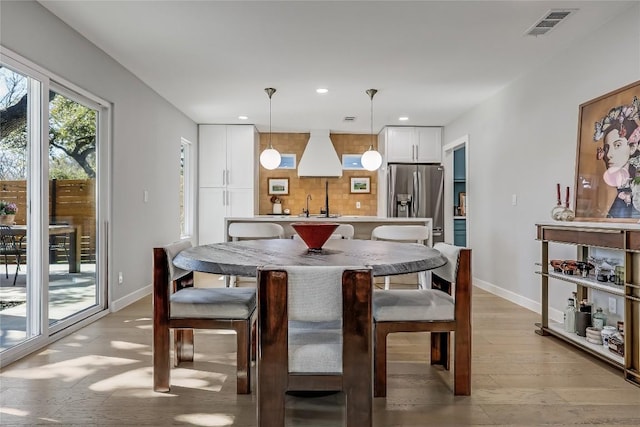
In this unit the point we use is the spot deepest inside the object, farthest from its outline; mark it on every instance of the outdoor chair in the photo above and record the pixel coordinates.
(59, 243)
(314, 329)
(430, 310)
(10, 245)
(179, 306)
(403, 233)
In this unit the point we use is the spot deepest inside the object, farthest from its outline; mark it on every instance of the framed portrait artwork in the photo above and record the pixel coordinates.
(608, 159)
(278, 186)
(360, 185)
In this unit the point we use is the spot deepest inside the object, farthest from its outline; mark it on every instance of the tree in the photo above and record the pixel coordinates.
(72, 131)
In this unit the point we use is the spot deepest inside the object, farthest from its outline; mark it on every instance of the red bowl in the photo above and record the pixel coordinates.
(314, 234)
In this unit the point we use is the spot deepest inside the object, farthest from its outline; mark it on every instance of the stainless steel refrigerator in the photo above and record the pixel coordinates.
(417, 191)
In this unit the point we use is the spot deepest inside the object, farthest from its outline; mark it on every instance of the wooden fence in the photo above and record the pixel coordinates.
(71, 201)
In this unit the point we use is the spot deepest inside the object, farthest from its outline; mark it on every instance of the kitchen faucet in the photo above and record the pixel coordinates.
(306, 211)
(326, 198)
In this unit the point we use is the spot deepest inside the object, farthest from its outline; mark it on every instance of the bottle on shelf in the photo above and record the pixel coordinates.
(599, 319)
(570, 316)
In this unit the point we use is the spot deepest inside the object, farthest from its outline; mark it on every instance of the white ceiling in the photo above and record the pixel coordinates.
(429, 60)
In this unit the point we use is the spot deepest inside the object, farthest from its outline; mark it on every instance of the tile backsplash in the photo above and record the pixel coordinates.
(341, 201)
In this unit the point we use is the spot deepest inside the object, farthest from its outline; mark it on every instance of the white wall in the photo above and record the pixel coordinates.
(523, 141)
(146, 136)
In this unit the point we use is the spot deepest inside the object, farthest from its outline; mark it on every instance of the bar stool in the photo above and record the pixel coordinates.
(403, 233)
(251, 231)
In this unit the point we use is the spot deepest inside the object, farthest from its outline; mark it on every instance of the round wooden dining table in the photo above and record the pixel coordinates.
(242, 258)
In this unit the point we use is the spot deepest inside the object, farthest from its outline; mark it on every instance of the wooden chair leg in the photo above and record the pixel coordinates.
(161, 358)
(183, 348)
(243, 346)
(462, 363)
(440, 349)
(273, 366)
(254, 341)
(357, 348)
(359, 402)
(380, 362)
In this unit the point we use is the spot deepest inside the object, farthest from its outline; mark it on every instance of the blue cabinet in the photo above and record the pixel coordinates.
(459, 197)
(460, 232)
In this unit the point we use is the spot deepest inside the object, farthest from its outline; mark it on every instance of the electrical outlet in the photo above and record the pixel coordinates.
(357, 205)
(120, 278)
(612, 305)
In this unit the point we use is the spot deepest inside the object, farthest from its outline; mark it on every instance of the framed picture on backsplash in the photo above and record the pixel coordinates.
(607, 185)
(278, 186)
(360, 185)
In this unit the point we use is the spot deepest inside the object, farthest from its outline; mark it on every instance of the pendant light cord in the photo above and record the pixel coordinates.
(371, 93)
(270, 91)
(270, 146)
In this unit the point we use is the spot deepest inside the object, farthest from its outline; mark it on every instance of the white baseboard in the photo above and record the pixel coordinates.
(527, 303)
(121, 303)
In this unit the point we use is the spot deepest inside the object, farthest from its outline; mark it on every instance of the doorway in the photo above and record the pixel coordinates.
(456, 191)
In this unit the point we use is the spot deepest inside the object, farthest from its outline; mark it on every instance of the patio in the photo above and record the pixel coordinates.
(69, 293)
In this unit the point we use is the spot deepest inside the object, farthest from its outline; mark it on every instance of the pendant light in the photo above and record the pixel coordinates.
(270, 158)
(371, 159)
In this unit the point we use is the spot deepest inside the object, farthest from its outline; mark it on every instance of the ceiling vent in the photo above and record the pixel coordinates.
(349, 119)
(549, 21)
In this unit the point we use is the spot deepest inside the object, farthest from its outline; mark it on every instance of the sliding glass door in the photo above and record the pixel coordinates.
(53, 151)
(73, 172)
(19, 94)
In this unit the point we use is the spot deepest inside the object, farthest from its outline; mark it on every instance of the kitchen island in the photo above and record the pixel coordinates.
(363, 225)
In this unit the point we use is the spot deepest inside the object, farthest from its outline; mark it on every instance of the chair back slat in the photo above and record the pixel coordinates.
(172, 250)
(314, 293)
(449, 271)
(255, 230)
(404, 233)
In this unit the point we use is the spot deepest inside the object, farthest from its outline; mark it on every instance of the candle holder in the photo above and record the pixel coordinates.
(562, 213)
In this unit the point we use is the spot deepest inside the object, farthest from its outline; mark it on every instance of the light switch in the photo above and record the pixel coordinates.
(145, 196)
(357, 205)
(514, 199)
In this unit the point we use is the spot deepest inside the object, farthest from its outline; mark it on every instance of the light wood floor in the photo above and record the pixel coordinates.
(101, 376)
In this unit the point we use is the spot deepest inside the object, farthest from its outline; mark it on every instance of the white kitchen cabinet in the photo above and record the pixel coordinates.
(429, 144)
(228, 175)
(227, 155)
(413, 144)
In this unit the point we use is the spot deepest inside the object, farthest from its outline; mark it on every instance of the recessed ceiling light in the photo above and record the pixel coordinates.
(322, 90)
(403, 118)
(243, 117)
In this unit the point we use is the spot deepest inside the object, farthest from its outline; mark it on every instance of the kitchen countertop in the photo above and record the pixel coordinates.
(363, 225)
(341, 218)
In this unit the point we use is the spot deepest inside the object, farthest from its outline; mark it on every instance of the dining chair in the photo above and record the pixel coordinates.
(432, 310)
(253, 230)
(403, 233)
(314, 329)
(10, 246)
(180, 307)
